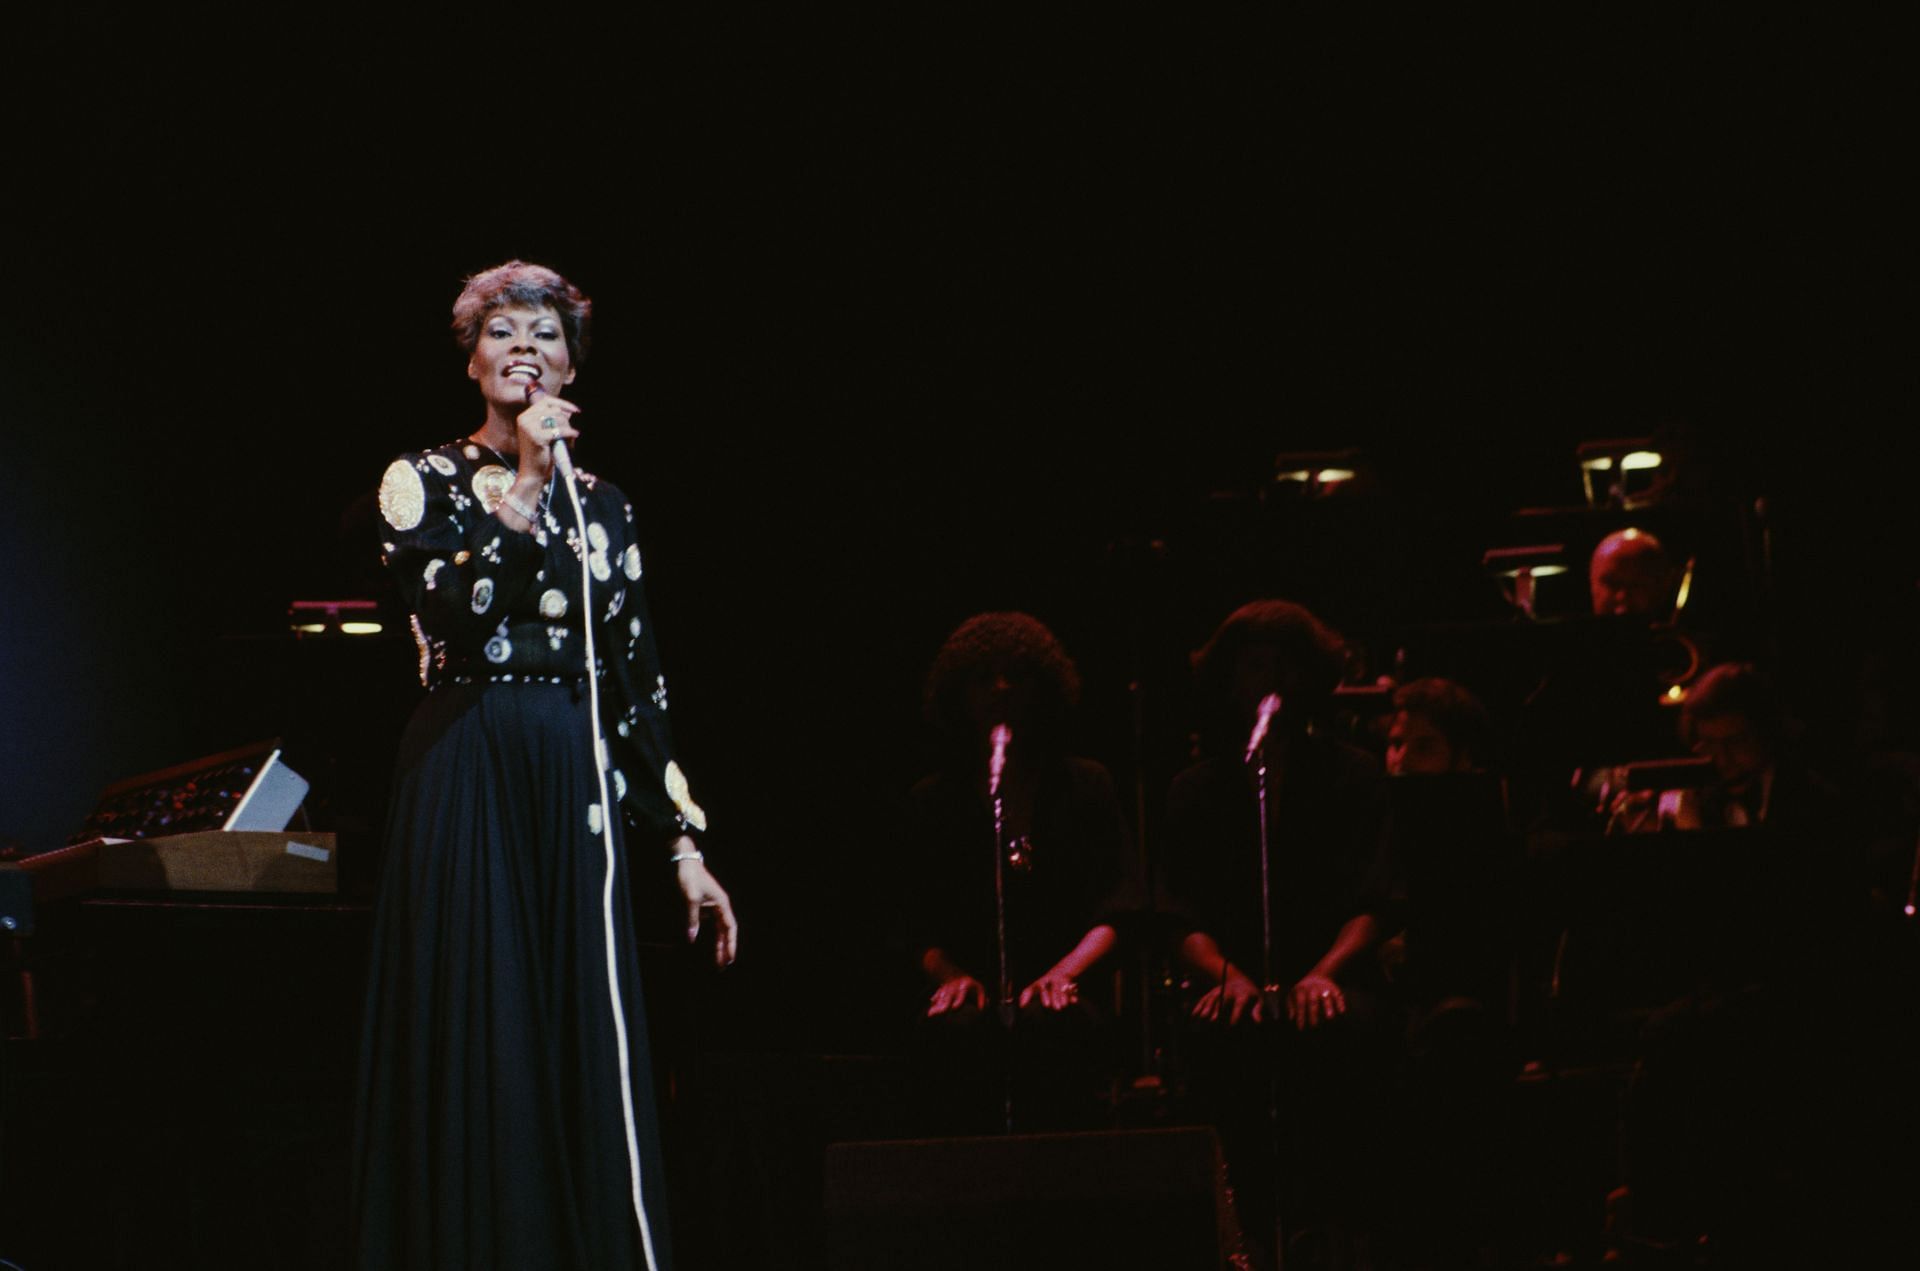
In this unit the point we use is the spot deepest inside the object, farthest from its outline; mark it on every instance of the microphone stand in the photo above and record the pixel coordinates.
(1913, 882)
(1269, 991)
(1269, 995)
(1006, 1009)
(1150, 1054)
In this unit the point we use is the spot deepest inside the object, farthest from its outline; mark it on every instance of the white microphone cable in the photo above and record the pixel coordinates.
(564, 464)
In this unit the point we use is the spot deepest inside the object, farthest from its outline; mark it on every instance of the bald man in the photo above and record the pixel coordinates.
(1629, 573)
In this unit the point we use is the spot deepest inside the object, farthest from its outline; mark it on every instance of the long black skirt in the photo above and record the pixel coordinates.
(493, 1118)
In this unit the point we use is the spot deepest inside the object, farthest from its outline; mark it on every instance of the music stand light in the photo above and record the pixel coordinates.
(333, 618)
(1620, 473)
(1520, 568)
(1319, 474)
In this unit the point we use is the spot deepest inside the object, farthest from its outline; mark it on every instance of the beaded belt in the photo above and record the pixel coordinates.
(509, 677)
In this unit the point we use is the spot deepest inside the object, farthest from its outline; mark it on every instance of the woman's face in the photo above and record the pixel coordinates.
(518, 347)
(999, 695)
(1259, 669)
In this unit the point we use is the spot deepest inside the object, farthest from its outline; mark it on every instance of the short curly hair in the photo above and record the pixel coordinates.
(1455, 712)
(518, 283)
(1735, 688)
(1302, 641)
(1009, 643)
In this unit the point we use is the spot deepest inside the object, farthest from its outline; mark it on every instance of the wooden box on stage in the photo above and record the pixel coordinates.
(289, 862)
(223, 860)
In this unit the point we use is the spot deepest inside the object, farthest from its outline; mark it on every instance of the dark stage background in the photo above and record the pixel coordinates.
(893, 327)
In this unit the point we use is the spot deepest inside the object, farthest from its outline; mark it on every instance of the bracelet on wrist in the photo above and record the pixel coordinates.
(694, 855)
(527, 514)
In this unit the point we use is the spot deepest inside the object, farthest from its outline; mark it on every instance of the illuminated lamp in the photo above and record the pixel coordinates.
(1621, 473)
(1520, 568)
(1319, 474)
(326, 618)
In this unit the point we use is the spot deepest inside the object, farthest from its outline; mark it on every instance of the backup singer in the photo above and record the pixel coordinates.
(1328, 1055)
(505, 1115)
(1072, 882)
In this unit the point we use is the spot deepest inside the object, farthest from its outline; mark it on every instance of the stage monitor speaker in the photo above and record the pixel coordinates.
(1132, 1198)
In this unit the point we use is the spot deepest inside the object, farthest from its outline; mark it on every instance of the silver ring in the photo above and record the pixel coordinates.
(549, 423)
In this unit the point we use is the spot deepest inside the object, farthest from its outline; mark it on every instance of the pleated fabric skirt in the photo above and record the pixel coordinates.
(491, 1129)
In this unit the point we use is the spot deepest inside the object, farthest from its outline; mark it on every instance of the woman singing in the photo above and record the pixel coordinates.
(505, 1115)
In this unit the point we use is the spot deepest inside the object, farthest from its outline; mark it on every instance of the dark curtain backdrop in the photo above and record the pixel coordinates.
(895, 326)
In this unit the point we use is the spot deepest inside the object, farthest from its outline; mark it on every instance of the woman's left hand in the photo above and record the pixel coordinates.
(702, 892)
(1314, 1001)
(1056, 991)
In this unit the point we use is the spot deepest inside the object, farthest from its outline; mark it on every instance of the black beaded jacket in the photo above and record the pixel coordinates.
(494, 605)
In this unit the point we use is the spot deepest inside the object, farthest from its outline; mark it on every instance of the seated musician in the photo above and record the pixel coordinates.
(1449, 943)
(1630, 574)
(1733, 718)
(1438, 728)
(1729, 1083)
(1598, 702)
(1445, 846)
(1071, 877)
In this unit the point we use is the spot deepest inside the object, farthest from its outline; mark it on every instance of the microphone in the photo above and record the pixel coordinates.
(562, 461)
(998, 764)
(1269, 707)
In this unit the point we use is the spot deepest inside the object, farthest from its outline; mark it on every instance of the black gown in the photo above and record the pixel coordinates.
(496, 1124)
